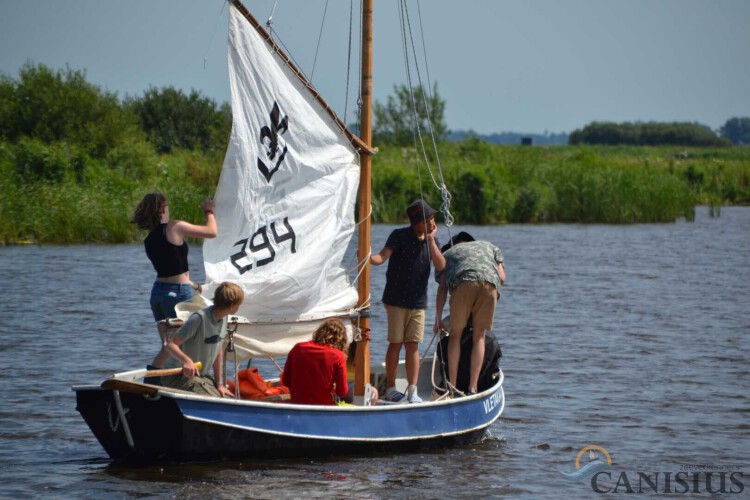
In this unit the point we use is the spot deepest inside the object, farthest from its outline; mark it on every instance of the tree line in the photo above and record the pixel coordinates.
(87, 157)
(56, 124)
(736, 130)
(396, 121)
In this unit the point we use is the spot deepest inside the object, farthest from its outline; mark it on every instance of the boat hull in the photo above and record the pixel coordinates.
(179, 427)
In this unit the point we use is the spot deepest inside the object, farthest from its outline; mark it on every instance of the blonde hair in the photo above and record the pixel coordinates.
(147, 214)
(331, 332)
(228, 295)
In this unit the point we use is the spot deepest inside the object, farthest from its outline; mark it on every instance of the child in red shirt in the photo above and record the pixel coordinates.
(316, 369)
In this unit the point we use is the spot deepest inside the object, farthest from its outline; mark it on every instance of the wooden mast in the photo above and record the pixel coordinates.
(362, 372)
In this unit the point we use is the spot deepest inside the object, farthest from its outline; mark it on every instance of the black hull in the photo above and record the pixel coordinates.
(160, 433)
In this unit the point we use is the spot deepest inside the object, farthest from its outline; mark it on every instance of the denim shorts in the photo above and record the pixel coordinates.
(164, 296)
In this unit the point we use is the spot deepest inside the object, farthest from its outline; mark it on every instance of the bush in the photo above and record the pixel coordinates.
(173, 120)
(60, 106)
(393, 188)
(134, 159)
(737, 130)
(35, 160)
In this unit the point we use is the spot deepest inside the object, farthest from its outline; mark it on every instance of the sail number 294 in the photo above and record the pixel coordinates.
(259, 248)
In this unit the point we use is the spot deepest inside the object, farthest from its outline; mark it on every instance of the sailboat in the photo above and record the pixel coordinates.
(286, 213)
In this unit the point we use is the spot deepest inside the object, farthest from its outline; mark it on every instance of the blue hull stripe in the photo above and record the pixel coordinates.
(377, 423)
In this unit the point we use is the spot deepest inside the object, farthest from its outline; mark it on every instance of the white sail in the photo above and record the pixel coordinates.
(286, 195)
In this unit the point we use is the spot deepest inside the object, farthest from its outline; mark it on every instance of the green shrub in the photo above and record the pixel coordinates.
(39, 161)
(61, 106)
(175, 120)
(135, 159)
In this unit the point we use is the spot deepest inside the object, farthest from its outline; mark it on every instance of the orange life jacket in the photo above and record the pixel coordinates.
(252, 385)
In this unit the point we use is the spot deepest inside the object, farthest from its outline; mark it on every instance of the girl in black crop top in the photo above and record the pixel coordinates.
(167, 250)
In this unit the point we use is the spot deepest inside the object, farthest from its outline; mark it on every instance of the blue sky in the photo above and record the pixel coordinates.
(501, 65)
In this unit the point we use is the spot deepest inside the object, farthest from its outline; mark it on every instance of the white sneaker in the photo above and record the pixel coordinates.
(411, 394)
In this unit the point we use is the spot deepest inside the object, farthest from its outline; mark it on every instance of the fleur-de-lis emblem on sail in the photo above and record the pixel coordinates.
(274, 147)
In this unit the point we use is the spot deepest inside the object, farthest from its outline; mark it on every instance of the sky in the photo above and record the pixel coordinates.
(526, 66)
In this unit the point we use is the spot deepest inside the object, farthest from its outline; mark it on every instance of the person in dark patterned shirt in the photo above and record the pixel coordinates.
(474, 273)
(411, 250)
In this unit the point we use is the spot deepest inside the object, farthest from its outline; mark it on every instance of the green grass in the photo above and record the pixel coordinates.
(501, 184)
(488, 184)
(98, 208)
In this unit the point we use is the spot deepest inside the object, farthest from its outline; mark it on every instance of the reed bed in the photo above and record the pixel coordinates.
(98, 210)
(488, 185)
(616, 185)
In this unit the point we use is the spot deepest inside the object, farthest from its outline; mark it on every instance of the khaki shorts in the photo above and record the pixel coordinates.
(472, 298)
(405, 325)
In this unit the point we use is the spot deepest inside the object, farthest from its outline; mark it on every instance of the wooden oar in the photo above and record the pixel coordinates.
(169, 371)
(138, 388)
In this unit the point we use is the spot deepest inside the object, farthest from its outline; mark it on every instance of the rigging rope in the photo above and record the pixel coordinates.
(359, 74)
(275, 35)
(424, 49)
(348, 60)
(445, 195)
(441, 187)
(295, 66)
(418, 132)
(270, 16)
(213, 35)
(320, 36)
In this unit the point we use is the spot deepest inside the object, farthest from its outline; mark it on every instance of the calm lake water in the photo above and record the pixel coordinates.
(631, 338)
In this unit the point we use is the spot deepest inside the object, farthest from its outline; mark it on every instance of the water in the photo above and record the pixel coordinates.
(627, 337)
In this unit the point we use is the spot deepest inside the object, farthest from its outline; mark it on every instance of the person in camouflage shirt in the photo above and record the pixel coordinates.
(474, 273)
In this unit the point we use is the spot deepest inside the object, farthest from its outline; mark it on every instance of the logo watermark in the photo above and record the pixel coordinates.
(595, 467)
